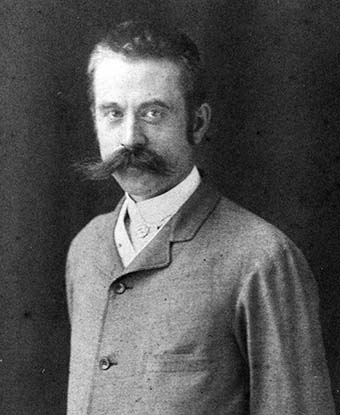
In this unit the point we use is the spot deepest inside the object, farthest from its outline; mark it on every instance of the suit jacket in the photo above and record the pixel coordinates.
(217, 315)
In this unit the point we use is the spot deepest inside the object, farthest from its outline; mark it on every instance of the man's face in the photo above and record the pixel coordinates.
(140, 103)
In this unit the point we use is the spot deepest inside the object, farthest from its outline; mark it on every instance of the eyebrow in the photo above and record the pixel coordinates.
(155, 102)
(108, 106)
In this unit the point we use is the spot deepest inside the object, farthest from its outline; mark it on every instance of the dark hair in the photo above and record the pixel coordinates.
(144, 39)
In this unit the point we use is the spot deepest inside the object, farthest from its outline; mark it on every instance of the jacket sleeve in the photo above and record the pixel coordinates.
(278, 329)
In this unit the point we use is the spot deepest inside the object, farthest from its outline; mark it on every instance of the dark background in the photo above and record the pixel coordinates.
(273, 147)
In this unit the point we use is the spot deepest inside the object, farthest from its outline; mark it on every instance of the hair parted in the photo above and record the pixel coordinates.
(139, 39)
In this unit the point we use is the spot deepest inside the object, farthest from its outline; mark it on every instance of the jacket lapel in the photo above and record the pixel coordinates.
(157, 254)
(182, 227)
(194, 213)
(107, 259)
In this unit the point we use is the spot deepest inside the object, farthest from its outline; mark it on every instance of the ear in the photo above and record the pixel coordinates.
(93, 111)
(201, 123)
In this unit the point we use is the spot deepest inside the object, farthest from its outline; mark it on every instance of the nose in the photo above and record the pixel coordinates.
(132, 132)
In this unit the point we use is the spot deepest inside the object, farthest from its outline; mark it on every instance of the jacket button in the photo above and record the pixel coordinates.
(106, 362)
(119, 288)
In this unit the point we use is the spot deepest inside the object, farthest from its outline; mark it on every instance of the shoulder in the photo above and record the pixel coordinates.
(250, 240)
(246, 228)
(99, 230)
(260, 246)
(257, 257)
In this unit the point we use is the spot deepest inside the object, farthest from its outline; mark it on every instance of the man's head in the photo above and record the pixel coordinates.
(139, 40)
(148, 103)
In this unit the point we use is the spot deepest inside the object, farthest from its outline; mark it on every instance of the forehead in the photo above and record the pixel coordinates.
(118, 77)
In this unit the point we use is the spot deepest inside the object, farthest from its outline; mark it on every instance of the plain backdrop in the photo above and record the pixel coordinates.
(274, 79)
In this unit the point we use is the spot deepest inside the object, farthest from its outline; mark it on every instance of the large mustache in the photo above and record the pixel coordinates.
(137, 156)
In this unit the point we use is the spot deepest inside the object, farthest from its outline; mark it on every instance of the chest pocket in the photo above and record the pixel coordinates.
(171, 362)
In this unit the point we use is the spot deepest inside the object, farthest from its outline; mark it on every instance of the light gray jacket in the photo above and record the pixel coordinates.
(218, 315)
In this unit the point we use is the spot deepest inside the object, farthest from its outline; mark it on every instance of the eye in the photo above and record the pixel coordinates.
(152, 115)
(114, 114)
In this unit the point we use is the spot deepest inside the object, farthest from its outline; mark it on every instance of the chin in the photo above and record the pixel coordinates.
(136, 181)
(143, 184)
(134, 176)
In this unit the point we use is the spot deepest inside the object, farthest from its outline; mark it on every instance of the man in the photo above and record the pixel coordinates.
(181, 302)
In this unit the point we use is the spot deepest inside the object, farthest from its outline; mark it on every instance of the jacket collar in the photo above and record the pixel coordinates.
(194, 212)
(182, 227)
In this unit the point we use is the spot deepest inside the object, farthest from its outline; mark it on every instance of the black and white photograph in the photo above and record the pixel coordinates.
(170, 207)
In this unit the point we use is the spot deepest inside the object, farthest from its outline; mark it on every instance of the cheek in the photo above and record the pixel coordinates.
(172, 133)
(176, 148)
(107, 140)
